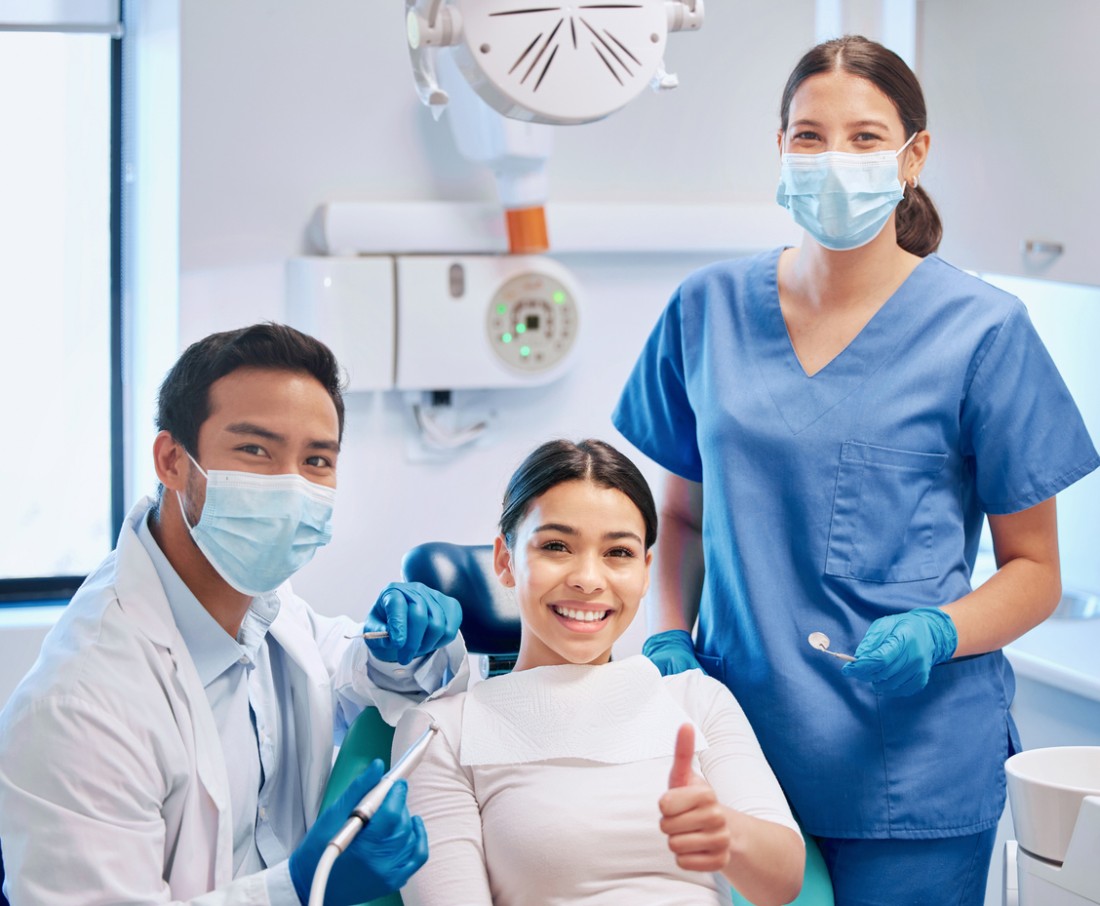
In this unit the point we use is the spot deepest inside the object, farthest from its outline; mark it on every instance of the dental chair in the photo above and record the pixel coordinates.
(491, 629)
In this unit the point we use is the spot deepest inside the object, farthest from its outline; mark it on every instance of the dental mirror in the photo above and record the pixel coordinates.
(820, 641)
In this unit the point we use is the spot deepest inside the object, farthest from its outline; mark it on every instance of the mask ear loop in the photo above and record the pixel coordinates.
(179, 499)
(916, 179)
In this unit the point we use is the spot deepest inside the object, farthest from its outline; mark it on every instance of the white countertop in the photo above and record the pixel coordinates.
(1061, 652)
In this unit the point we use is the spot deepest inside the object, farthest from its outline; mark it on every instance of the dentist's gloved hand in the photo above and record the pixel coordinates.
(381, 858)
(898, 652)
(672, 651)
(419, 620)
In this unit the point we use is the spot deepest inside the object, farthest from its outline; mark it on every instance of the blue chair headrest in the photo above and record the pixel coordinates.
(490, 615)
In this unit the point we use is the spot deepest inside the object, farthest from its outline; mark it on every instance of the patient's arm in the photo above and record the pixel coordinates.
(440, 792)
(731, 816)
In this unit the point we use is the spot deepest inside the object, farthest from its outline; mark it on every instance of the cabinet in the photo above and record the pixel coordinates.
(1012, 92)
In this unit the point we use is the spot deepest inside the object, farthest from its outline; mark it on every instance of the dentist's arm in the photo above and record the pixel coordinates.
(419, 620)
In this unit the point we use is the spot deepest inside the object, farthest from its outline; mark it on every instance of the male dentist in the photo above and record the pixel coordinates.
(173, 740)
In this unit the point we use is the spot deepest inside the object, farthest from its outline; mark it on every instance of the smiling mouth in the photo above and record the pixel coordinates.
(581, 616)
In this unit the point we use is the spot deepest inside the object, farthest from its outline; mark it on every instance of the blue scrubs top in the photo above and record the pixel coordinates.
(832, 500)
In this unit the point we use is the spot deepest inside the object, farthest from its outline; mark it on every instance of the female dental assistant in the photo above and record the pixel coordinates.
(838, 419)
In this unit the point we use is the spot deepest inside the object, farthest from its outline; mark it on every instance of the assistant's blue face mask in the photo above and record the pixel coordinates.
(258, 530)
(841, 199)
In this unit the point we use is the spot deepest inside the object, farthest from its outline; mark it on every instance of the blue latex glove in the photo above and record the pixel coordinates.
(419, 620)
(381, 858)
(898, 652)
(672, 651)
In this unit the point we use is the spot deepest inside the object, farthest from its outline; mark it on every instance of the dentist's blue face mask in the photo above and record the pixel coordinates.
(258, 530)
(841, 199)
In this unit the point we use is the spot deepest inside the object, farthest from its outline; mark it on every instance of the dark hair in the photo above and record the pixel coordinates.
(558, 461)
(919, 229)
(183, 403)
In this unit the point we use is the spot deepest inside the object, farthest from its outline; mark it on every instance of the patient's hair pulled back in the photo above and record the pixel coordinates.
(558, 461)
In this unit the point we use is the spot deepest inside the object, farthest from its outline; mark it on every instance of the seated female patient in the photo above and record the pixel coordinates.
(578, 779)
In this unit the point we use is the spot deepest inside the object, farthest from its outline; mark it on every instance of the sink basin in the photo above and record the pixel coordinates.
(1045, 790)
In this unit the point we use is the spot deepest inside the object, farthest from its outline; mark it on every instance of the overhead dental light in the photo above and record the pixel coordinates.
(536, 64)
(555, 63)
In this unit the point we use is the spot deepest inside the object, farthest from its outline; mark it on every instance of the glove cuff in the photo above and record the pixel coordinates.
(944, 635)
(668, 637)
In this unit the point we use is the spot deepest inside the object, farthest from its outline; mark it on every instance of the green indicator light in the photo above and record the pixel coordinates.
(525, 350)
(520, 328)
(506, 338)
(502, 309)
(559, 297)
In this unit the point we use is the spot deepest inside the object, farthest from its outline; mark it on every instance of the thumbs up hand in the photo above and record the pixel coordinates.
(691, 816)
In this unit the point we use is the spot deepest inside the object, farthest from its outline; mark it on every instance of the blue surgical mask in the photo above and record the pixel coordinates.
(258, 530)
(843, 200)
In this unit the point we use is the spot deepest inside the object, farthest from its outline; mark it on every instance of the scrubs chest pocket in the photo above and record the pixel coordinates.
(882, 528)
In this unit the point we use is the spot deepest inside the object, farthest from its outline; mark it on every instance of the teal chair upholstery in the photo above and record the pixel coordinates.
(368, 737)
(817, 888)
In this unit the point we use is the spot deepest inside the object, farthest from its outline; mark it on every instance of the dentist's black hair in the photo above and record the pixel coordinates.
(183, 403)
(919, 228)
(558, 461)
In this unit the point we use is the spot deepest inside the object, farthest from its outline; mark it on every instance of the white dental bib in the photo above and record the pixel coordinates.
(615, 713)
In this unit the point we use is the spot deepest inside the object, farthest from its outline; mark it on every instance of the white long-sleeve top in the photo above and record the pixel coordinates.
(542, 786)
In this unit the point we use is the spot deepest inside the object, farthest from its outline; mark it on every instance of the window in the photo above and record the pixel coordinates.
(58, 344)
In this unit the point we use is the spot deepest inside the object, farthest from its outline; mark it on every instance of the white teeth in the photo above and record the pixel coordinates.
(583, 616)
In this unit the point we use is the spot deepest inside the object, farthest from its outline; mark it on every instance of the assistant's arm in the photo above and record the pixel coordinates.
(899, 650)
(442, 793)
(679, 557)
(1025, 589)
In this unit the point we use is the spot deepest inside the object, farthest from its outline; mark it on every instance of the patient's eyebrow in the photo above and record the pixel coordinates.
(614, 536)
(569, 530)
(556, 527)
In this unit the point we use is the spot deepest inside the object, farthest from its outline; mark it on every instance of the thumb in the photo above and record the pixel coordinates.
(397, 616)
(361, 784)
(681, 773)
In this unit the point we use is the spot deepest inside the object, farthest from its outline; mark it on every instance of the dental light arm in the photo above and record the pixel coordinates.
(508, 70)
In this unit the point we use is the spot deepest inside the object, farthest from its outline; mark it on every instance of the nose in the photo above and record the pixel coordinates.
(586, 573)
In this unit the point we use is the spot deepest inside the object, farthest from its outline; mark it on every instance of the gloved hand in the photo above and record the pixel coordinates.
(898, 652)
(672, 651)
(419, 620)
(381, 858)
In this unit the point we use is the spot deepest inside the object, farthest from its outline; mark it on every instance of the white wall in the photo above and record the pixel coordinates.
(287, 106)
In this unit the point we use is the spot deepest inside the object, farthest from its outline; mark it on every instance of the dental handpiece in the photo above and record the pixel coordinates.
(370, 803)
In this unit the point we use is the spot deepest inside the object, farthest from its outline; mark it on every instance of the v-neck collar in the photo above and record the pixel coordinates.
(802, 398)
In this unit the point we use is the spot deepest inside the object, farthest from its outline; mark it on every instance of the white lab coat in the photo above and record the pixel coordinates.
(108, 748)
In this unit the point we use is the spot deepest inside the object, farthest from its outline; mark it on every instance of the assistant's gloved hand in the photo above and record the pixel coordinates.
(898, 652)
(381, 858)
(419, 620)
(672, 651)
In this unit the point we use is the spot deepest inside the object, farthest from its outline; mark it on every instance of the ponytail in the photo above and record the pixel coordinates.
(918, 223)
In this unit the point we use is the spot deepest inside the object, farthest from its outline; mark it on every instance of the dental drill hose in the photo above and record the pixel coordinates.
(362, 813)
